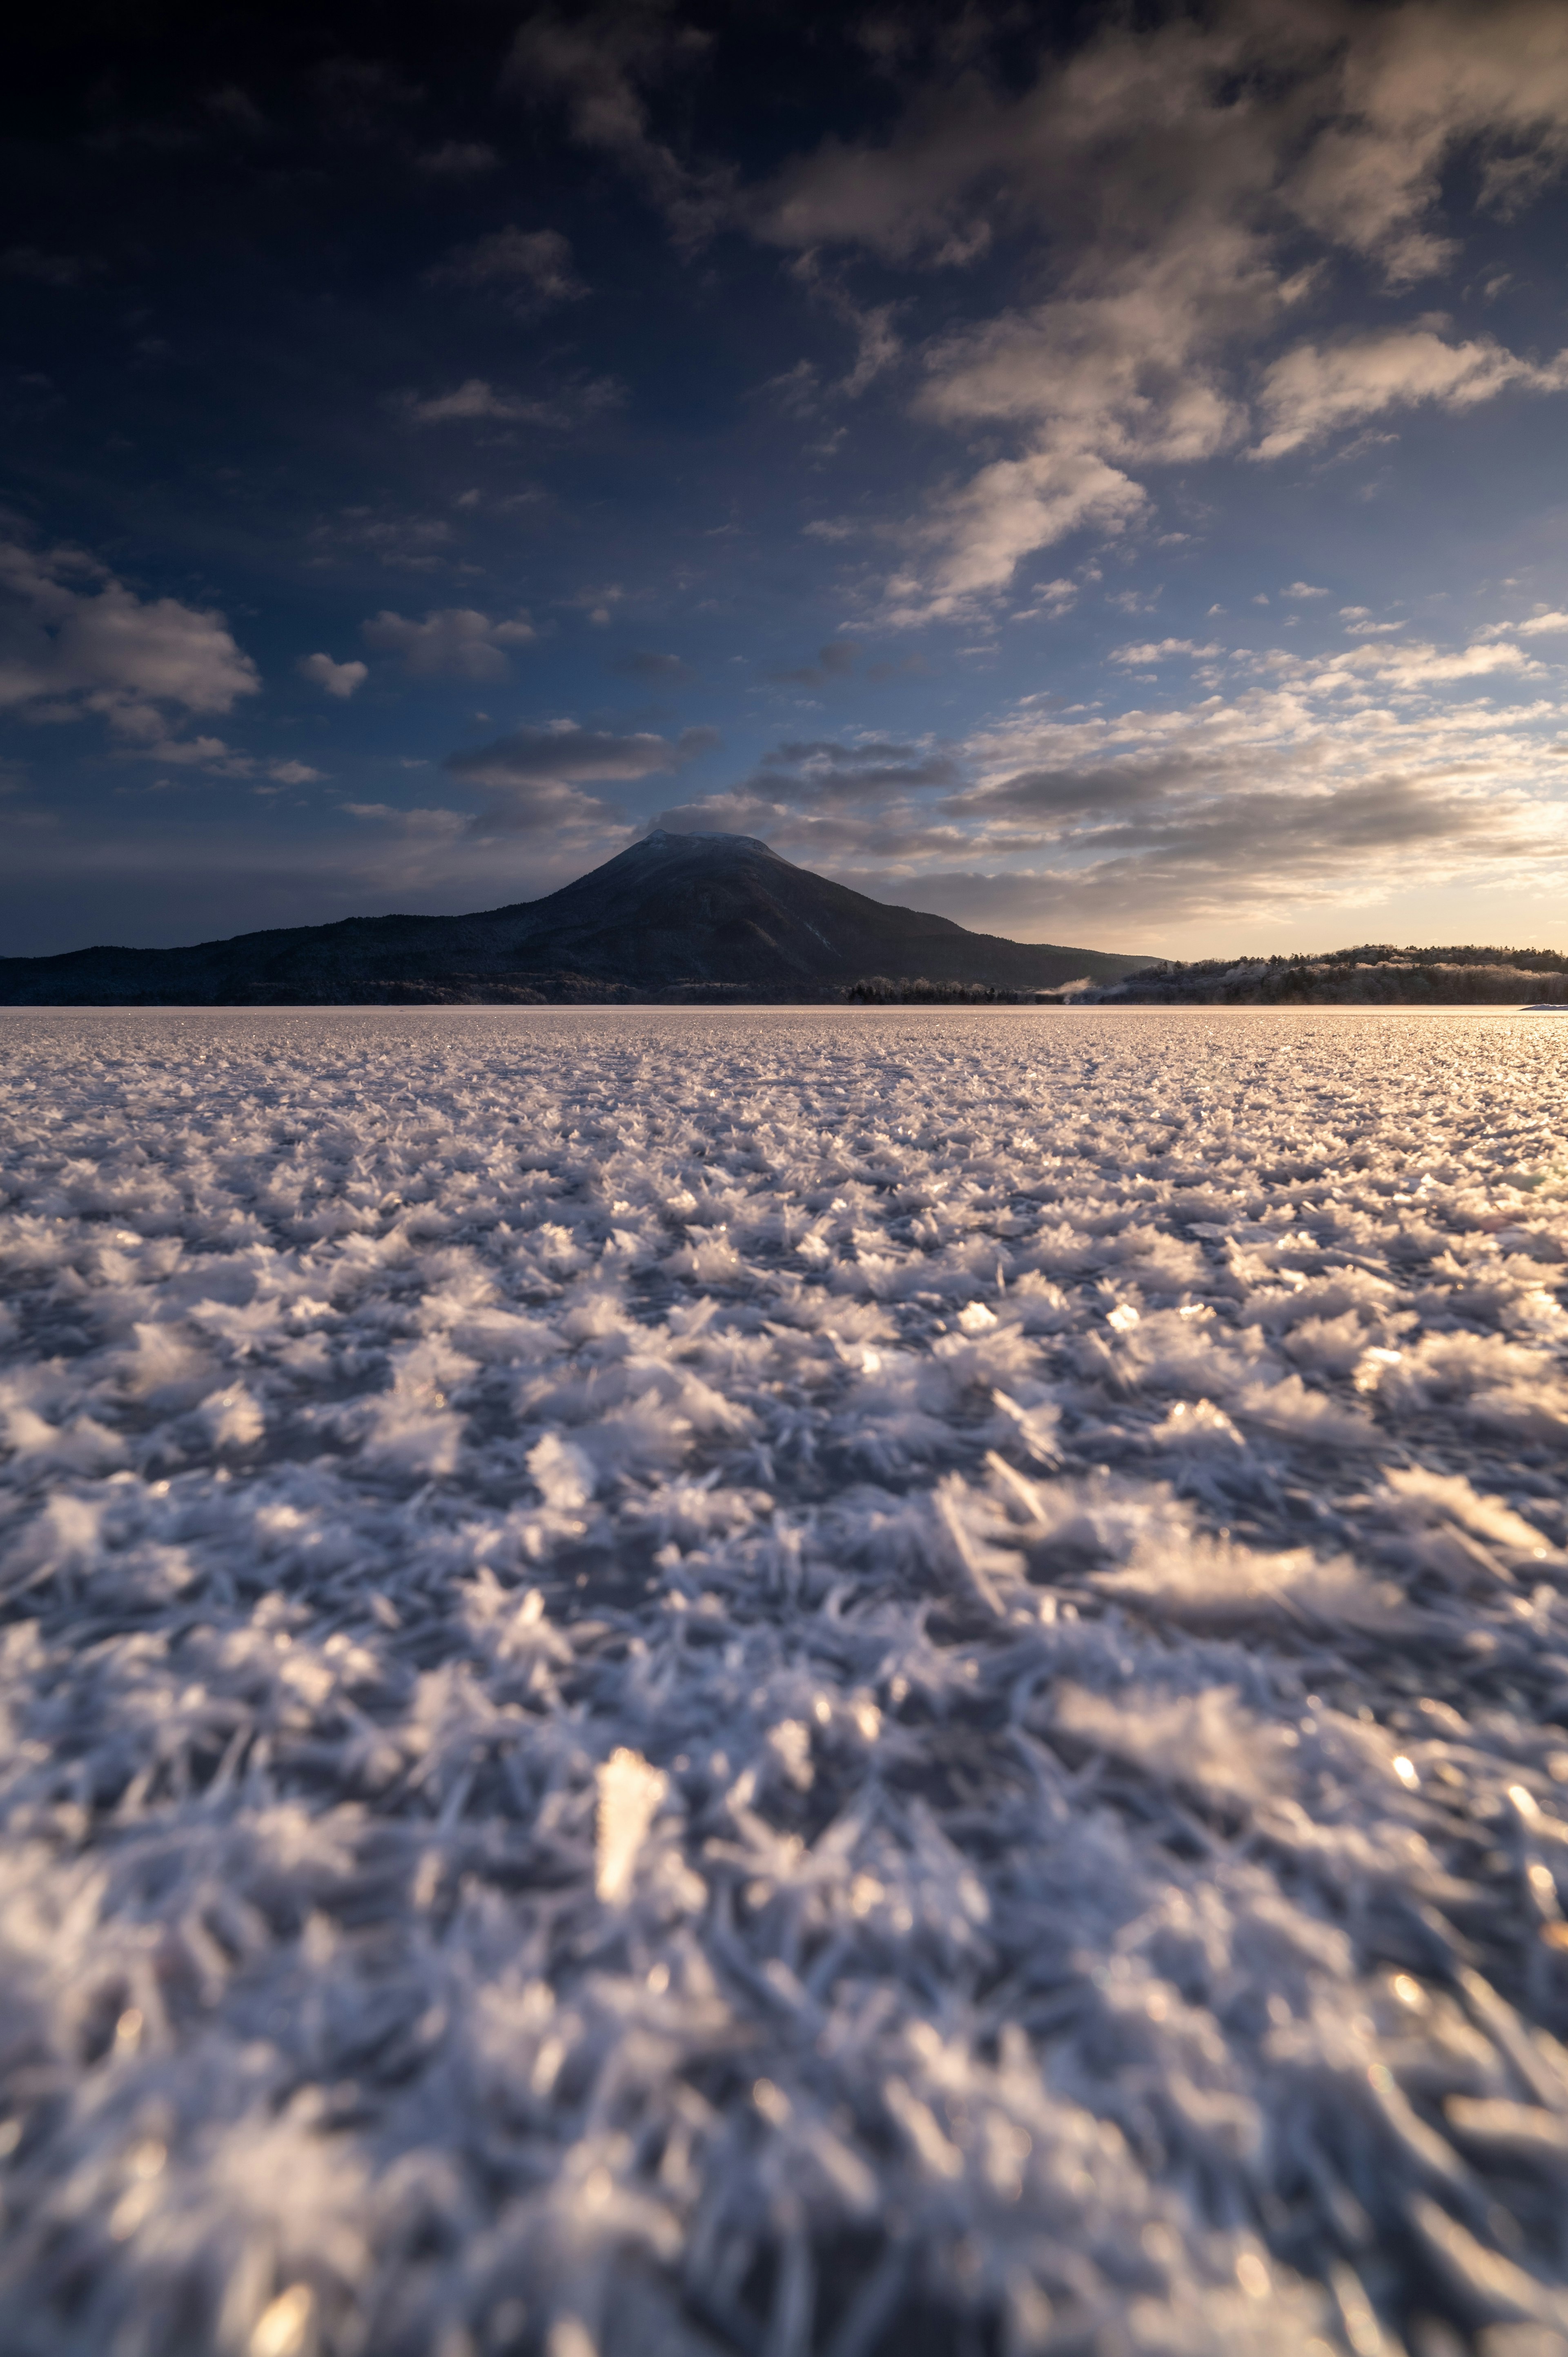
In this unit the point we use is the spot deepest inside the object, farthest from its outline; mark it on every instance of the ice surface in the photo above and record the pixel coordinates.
(782, 1683)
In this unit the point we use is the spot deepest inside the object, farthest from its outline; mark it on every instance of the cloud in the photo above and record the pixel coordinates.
(476, 398)
(295, 773)
(1359, 624)
(1411, 86)
(974, 537)
(339, 679)
(1315, 389)
(796, 388)
(1303, 589)
(403, 542)
(1145, 177)
(1051, 598)
(1314, 791)
(596, 65)
(827, 769)
(532, 267)
(835, 660)
(74, 640)
(430, 823)
(60, 270)
(1539, 626)
(877, 342)
(572, 756)
(1408, 667)
(477, 402)
(455, 642)
(1160, 650)
(653, 668)
(458, 159)
(361, 98)
(535, 776)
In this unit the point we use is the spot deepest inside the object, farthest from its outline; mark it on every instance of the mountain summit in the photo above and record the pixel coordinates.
(681, 919)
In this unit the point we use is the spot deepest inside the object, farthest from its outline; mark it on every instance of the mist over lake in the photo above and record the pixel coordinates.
(774, 1682)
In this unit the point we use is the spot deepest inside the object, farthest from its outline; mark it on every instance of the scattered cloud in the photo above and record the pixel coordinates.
(972, 538)
(455, 642)
(1050, 598)
(62, 270)
(74, 640)
(435, 823)
(835, 660)
(1413, 86)
(339, 679)
(1150, 168)
(654, 668)
(1540, 625)
(475, 399)
(477, 402)
(458, 159)
(362, 98)
(831, 769)
(401, 542)
(295, 773)
(596, 65)
(532, 268)
(1317, 389)
(535, 777)
(1303, 589)
(1158, 650)
(795, 390)
(1407, 667)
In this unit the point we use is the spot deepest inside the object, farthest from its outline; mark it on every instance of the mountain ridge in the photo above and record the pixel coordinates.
(672, 918)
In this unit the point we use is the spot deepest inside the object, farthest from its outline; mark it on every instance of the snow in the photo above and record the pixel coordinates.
(781, 1682)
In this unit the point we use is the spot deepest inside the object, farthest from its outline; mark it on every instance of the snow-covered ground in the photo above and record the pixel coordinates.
(780, 1682)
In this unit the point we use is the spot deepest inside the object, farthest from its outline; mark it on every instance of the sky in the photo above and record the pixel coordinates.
(1097, 473)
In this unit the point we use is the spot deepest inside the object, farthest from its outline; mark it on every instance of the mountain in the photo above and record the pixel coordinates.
(709, 919)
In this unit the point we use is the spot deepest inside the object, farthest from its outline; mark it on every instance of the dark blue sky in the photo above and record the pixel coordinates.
(1100, 474)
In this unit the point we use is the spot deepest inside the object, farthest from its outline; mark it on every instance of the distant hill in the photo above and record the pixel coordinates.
(708, 920)
(1373, 975)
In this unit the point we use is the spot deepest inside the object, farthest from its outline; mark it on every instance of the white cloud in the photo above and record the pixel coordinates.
(1157, 651)
(436, 824)
(535, 777)
(1427, 666)
(1540, 625)
(533, 266)
(1409, 87)
(455, 642)
(295, 773)
(1303, 589)
(339, 679)
(476, 398)
(1228, 809)
(458, 159)
(976, 536)
(74, 640)
(1315, 389)
(566, 754)
(596, 67)
(477, 402)
(1148, 168)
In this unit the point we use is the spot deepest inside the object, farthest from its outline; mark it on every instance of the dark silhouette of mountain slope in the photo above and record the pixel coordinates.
(683, 917)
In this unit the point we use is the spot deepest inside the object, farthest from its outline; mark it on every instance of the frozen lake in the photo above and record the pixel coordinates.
(772, 1681)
